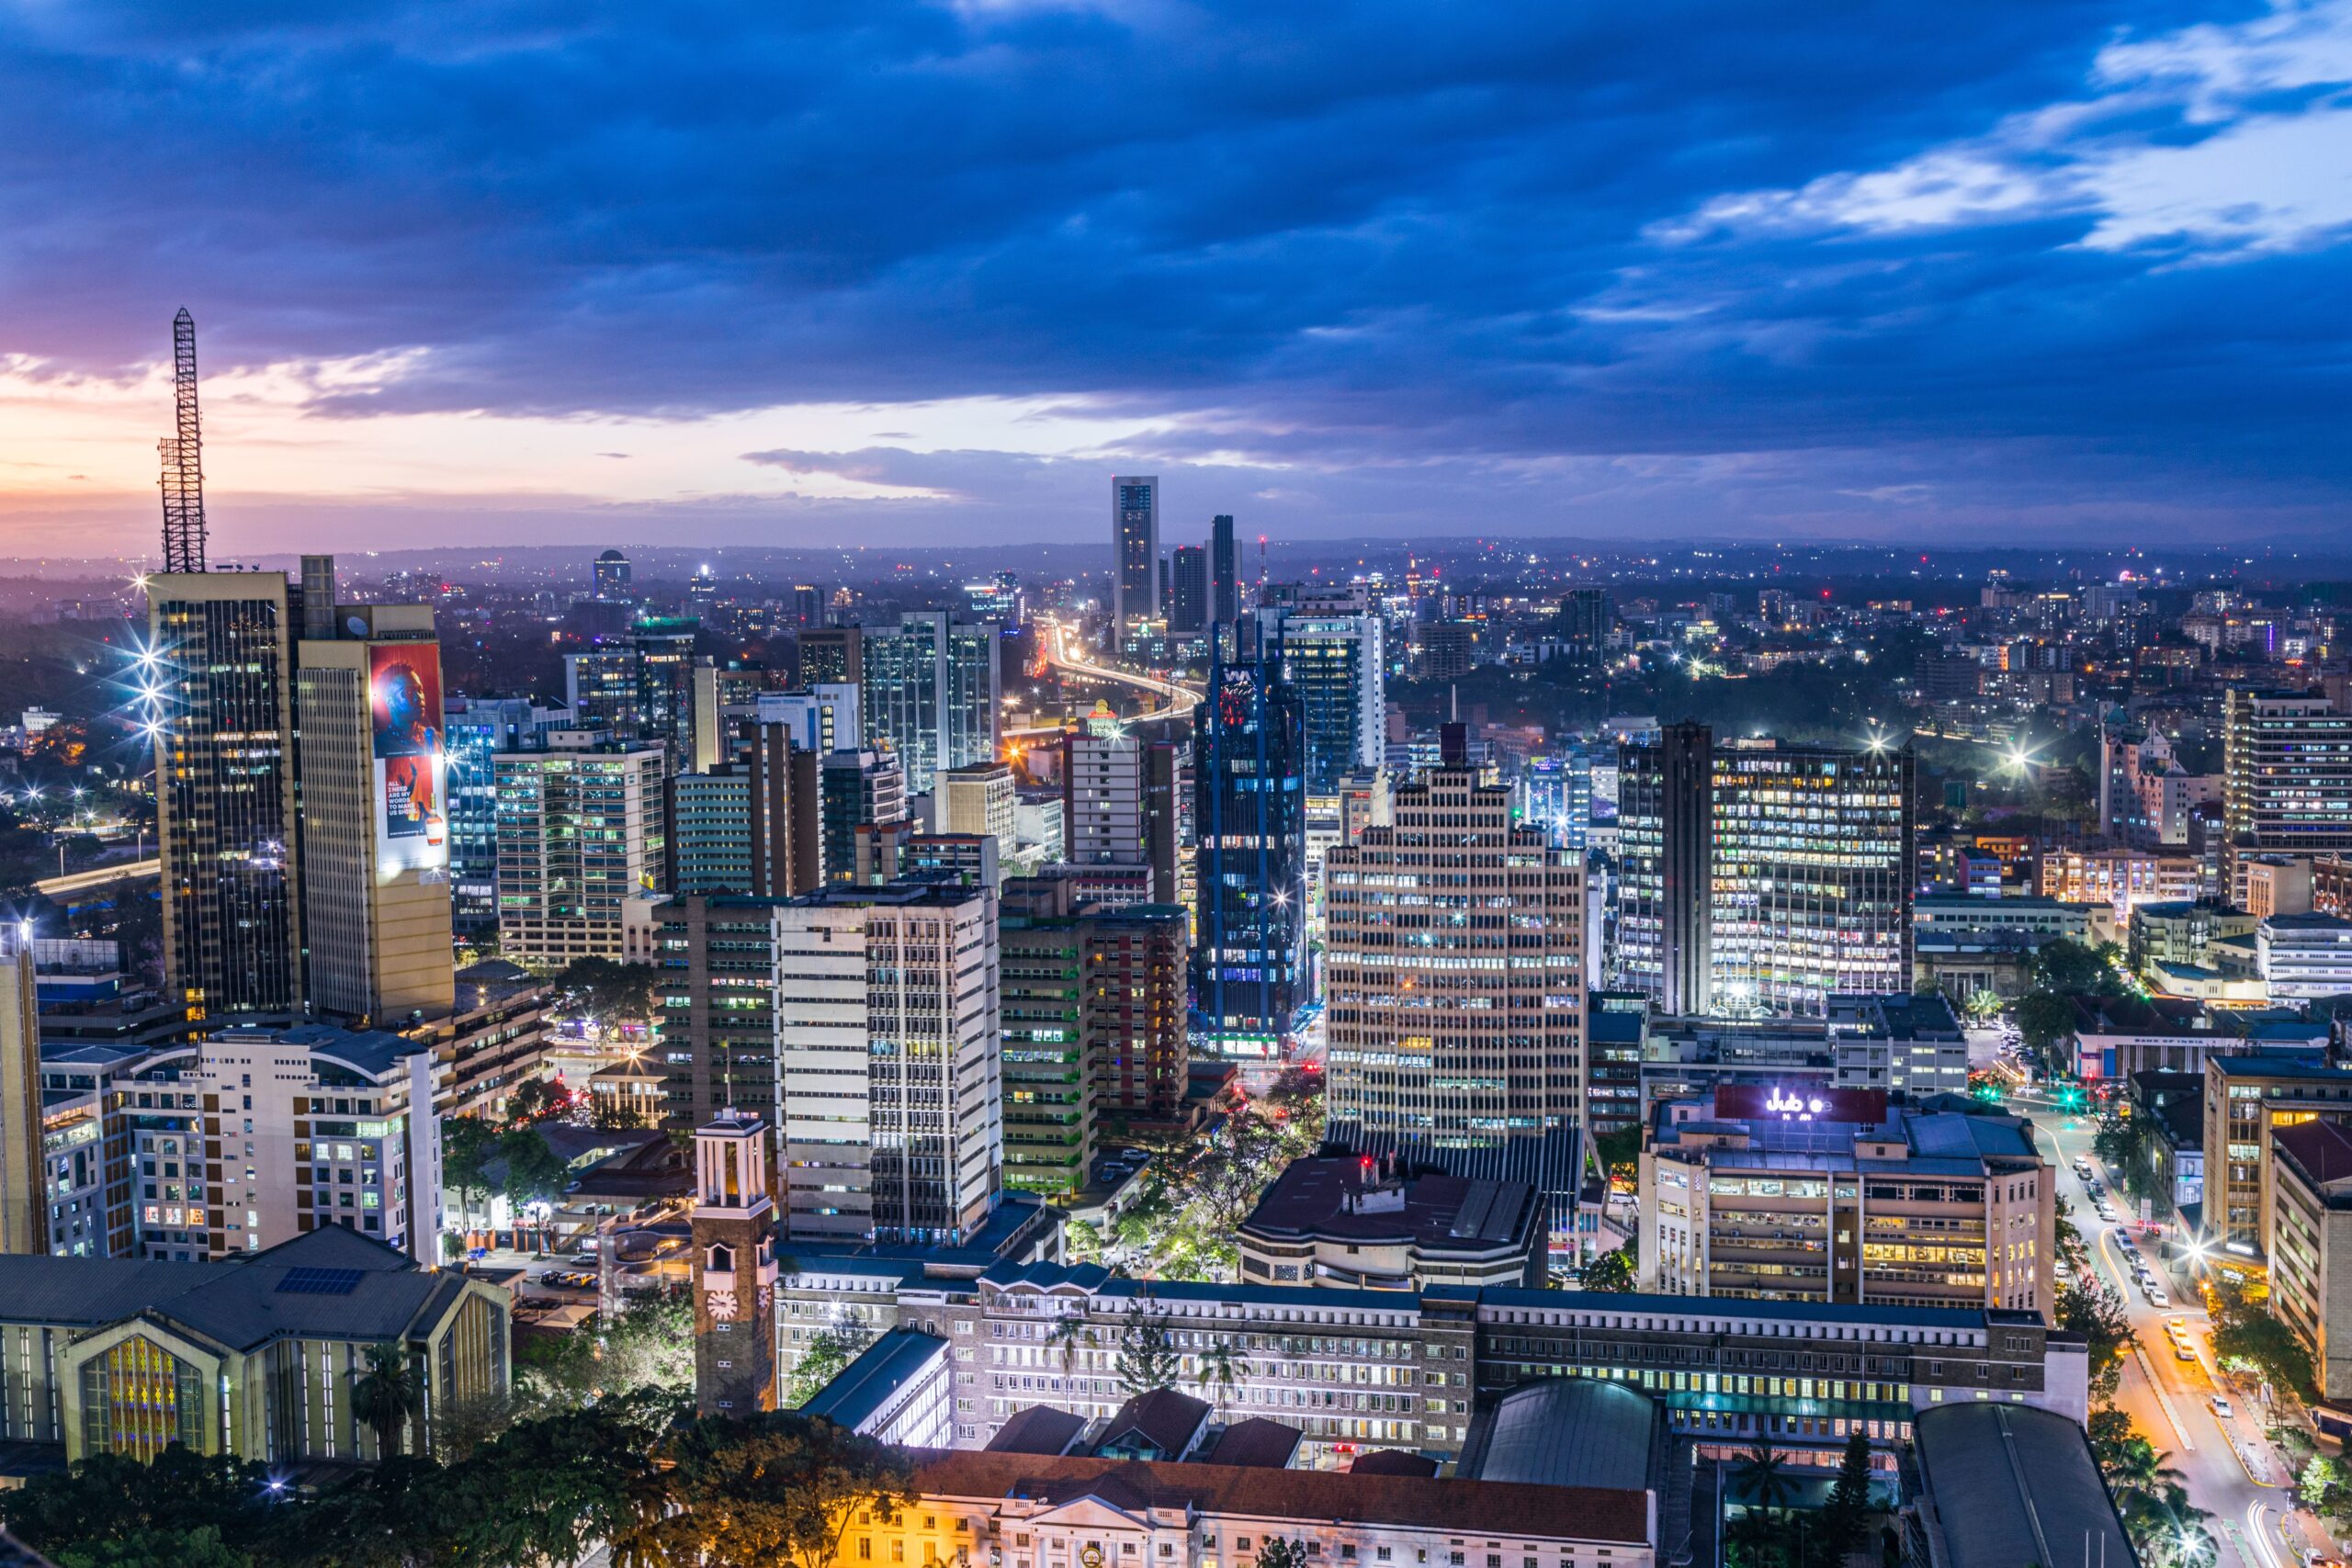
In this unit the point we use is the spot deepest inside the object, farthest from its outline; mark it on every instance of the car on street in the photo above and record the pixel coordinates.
(2182, 1350)
(2222, 1407)
(2157, 1297)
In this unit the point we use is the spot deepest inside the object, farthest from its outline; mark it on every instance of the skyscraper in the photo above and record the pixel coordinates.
(375, 827)
(611, 577)
(1224, 573)
(930, 693)
(477, 729)
(718, 959)
(1586, 618)
(220, 683)
(1134, 552)
(1813, 875)
(1666, 847)
(1188, 609)
(1335, 663)
(1250, 969)
(2286, 779)
(1455, 979)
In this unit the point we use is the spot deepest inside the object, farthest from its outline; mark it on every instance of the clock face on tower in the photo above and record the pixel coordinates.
(721, 1304)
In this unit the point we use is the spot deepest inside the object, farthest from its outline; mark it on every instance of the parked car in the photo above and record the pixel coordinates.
(2222, 1407)
(2157, 1297)
(2182, 1350)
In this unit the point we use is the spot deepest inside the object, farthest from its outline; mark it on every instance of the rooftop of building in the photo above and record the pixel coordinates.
(2312, 924)
(371, 1052)
(2320, 1152)
(1394, 1462)
(1256, 1443)
(1320, 1496)
(860, 1390)
(2011, 1483)
(1950, 1142)
(1567, 1432)
(1359, 1199)
(1038, 1429)
(1165, 1419)
(329, 1283)
(2303, 1065)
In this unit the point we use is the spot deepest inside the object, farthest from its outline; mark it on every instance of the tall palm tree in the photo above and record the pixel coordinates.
(1763, 1474)
(1068, 1330)
(1223, 1370)
(388, 1395)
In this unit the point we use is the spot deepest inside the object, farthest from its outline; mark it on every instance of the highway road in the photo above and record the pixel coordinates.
(2226, 1466)
(1061, 644)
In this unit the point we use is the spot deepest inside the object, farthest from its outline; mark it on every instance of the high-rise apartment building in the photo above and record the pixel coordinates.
(1453, 983)
(859, 789)
(1250, 975)
(1813, 875)
(1134, 1018)
(1224, 573)
(2286, 779)
(888, 1061)
(1665, 846)
(373, 773)
(1134, 552)
(582, 853)
(929, 693)
(219, 677)
(1761, 879)
(1188, 582)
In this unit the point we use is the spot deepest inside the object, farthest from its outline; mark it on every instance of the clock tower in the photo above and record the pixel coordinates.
(734, 1266)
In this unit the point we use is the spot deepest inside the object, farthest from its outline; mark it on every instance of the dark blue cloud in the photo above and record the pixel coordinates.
(1438, 262)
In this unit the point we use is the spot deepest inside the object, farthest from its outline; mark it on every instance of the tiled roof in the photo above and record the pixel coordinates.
(236, 1303)
(1308, 1496)
(1039, 1429)
(2320, 1150)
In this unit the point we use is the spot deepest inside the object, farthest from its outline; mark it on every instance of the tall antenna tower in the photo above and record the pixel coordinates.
(183, 454)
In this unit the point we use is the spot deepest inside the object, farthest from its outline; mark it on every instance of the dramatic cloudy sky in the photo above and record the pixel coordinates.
(863, 270)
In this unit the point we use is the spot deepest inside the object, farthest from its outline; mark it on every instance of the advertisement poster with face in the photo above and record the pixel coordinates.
(404, 693)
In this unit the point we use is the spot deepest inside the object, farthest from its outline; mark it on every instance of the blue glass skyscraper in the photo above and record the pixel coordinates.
(1250, 967)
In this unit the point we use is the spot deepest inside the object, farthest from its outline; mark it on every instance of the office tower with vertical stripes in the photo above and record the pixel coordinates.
(1134, 552)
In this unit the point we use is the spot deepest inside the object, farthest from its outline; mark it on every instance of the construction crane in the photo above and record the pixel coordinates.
(183, 454)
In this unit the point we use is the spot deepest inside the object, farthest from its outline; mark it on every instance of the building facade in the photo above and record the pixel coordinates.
(1135, 553)
(2286, 778)
(929, 693)
(1454, 987)
(1250, 969)
(582, 851)
(219, 673)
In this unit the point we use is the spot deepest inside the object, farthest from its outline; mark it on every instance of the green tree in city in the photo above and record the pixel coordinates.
(388, 1395)
(2044, 1018)
(2247, 1332)
(646, 1346)
(1281, 1552)
(830, 1350)
(608, 996)
(1222, 1372)
(1611, 1270)
(467, 1144)
(1844, 1521)
(112, 1509)
(1147, 1358)
(2095, 1312)
(535, 1173)
(535, 1100)
(1983, 1004)
(2075, 968)
(779, 1489)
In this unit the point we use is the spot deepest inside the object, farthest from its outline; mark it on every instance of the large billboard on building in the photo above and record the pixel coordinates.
(404, 694)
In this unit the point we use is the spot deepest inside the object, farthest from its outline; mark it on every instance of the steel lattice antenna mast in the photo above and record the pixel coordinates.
(183, 454)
